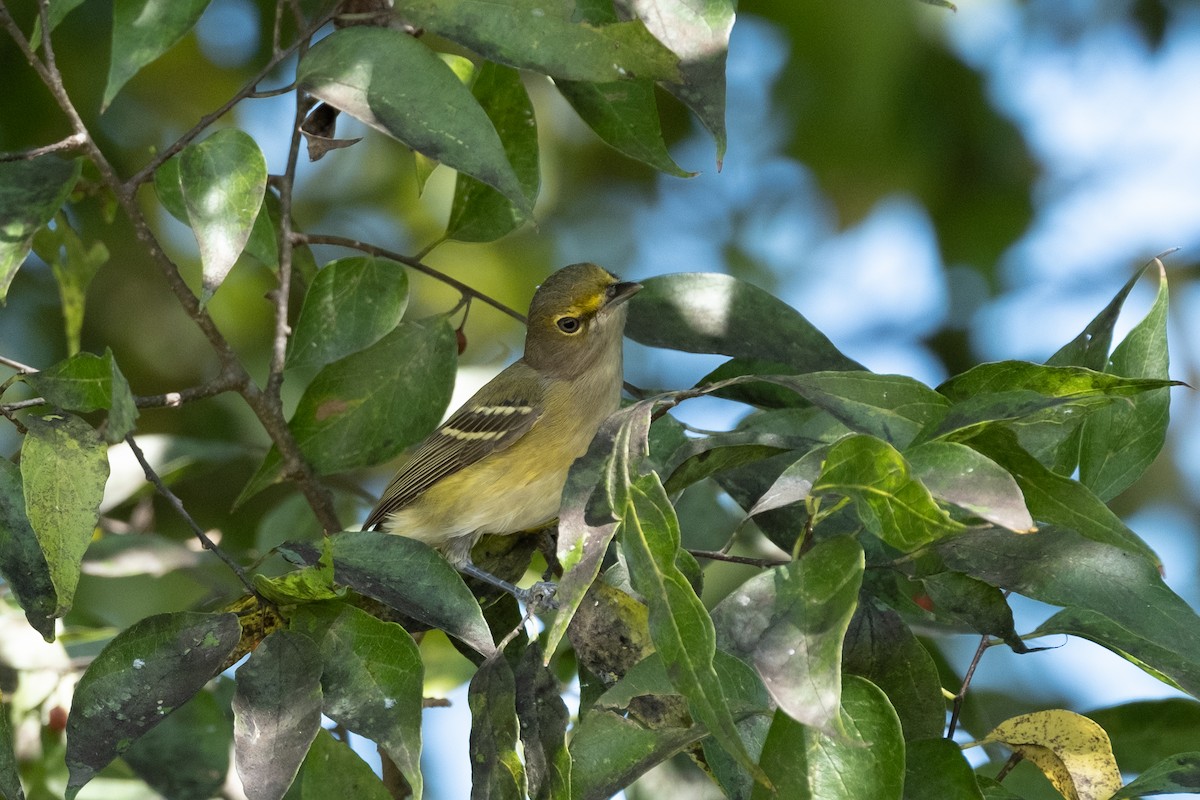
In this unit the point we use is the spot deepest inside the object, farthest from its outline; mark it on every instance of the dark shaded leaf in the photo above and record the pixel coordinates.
(889, 500)
(1139, 746)
(1120, 441)
(609, 751)
(31, 192)
(10, 777)
(976, 604)
(478, 212)
(880, 647)
(87, 382)
(970, 480)
(543, 719)
(1059, 566)
(64, 467)
(790, 622)
(408, 576)
(397, 85)
(331, 769)
(496, 769)
(223, 180)
(352, 304)
(706, 312)
(22, 563)
(371, 680)
(610, 632)
(546, 36)
(187, 756)
(141, 676)
(362, 410)
(142, 31)
(697, 32)
(276, 713)
(794, 484)
(1178, 773)
(867, 761)
(935, 769)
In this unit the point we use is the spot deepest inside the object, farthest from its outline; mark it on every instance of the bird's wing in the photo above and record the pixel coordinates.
(494, 419)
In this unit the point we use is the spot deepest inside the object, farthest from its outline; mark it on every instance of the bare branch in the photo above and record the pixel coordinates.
(717, 555)
(984, 644)
(73, 142)
(409, 261)
(17, 365)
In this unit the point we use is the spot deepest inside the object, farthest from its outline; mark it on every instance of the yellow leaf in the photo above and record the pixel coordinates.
(1072, 750)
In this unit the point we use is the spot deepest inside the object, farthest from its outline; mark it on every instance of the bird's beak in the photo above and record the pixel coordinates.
(625, 290)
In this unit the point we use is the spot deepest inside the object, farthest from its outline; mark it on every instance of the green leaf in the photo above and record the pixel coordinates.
(276, 712)
(970, 480)
(10, 776)
(544, 36)
(889, 500)
(332, 769)
(1061, 567)
(880, 647)
(496, 769)
(1179, 773)
(698, 32)
(680, 626)
(1121, 440)
(223, 180)
(142, 31)
(353, 303)
(408, 576)
(935, 769)
(867, 761)
(625, 115)
(397, 85)
(707, 312)
(1074, 383)
(186, 757)
(87, 382)
(609, 751)
(1090, 348)
(64, 467)
(57, 13)
(789, 622)
(31, 192)
(1139, 746)
(141, 676)
(543, 719)
(977, 605)
(479, 213)
(371, 680)
(894, 408)
(74, 266)
(364, 409)
(21, 560)
(1058, 500)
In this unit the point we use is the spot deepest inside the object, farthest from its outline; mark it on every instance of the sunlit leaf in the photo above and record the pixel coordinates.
(22, 563)
(970, 480)
(1072, 750)
(87, 382)
(142, 31)
(276, 713)
(396, 84)
(63, 470)
(478, 212)
(866, 761)
(74, 265)
(789, 622)
(546, 36)
(353, 303)
(31, 192)
(371, 680)
(223, 180)
(145, 673)
(362, 409)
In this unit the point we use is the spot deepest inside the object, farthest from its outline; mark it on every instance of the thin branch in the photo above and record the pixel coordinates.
(984, 644)
(73, 142)
(717, 555)
(17, 365)
(177, 504)
(408, 261)
(1013, 760)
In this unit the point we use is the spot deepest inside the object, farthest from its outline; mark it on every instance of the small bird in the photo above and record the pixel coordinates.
(499, 463)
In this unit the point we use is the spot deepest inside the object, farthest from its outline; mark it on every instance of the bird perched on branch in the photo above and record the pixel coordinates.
(498, 464)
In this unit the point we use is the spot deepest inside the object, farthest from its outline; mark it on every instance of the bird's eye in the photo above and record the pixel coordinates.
(611, 292)
(568, 324)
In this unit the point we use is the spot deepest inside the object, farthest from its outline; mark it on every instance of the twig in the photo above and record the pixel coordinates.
(1013, 760)
(73, 142)
(17, 365)
(984, 644)
(717, 555)
(177, 504)
(408, 261)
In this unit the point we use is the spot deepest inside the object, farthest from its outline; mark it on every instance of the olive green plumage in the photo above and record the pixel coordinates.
(498, 464)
